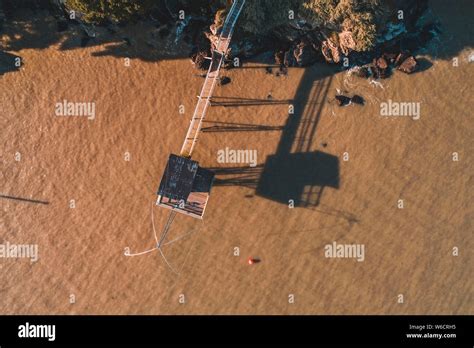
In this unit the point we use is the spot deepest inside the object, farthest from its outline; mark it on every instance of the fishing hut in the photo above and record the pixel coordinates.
(185, 187)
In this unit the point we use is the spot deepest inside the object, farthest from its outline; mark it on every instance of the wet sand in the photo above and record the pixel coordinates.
(81, 250)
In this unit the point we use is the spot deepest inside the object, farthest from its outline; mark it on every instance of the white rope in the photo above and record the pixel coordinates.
(142, 253)
(167, 263)
(153, 223)
(159, 242)
(178, 238)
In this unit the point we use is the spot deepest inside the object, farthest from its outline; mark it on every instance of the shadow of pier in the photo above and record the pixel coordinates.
(234, 102)
(238, 127)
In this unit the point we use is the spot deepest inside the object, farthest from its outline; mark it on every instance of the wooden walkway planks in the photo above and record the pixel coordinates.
(211, 79)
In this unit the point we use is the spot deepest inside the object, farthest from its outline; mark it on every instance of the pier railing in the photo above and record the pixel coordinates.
(212, 76)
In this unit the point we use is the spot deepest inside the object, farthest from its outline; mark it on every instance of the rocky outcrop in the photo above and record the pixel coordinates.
(331, 51)
(280, 58)
(289, 59)
(199, 60)
(224, 80)
(380, 68)
(305, 54)
(344, 100)
(409, 65)
(346, 42)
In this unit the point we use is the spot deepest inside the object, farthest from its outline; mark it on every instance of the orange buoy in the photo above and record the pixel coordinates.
(252, 260)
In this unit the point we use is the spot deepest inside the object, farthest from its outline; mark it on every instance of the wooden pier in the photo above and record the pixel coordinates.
(212, 76)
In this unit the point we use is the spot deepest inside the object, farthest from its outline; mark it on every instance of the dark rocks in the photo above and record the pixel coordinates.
(305, 54)
(224, 80)
(380, 68)
(357, 99)
(409, 65)
(406, 62)
(401, 58)
(289, 59)
(300, 54)
(331, 52)
(363, 72)
(200, 61)
(390, 57)
(344, 100)
(280, 58)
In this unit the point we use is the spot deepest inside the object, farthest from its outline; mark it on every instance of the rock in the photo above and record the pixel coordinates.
(343, 100)
(402, 56)
(357, 99)
(380, 68)
(286, 33)
(390, 57)
(215, 29)
(200, 61)
(305, 54)
(331, 52)
(346, 42)
(362, 72)
(382, 63)
(289, 59)
(409, 65)
(213, 39)
(280, 58)
(224, 80)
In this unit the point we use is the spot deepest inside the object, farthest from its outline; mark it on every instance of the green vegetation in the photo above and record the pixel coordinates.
(259, 17)
(358, 16)
(97, 11)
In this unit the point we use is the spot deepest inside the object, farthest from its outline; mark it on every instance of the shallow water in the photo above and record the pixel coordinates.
(81, 250)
